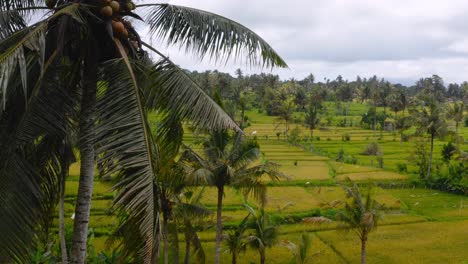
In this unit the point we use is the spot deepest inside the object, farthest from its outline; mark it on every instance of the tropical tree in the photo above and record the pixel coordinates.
(430, 119)
(312, 114)
(228, 160)
(455, 112)
(236, 241)
(402, 123)
(300, 251)
(360, 215)
(65, 72)
(265, 232)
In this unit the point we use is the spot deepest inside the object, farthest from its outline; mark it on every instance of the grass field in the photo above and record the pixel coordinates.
(420, 225)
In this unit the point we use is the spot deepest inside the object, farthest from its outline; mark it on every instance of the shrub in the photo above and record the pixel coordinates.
(328, 139)
(466, 122)
(373, 149)
(294, 136)
(402, 167)
(317, 138)
(346, 137)
(447, 151)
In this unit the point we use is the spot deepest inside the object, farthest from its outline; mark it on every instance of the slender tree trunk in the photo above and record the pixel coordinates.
(262, 256)
(176, 244)
(430, 158)
(363, 250)
(87, 155)
(165, 240)
(187, 250)
(312, 136)
(375, 123)
(63, 244)
(234, 258)
(219, 224)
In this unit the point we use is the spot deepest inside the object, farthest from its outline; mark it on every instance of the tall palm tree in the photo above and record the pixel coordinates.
(236, 241)
(227, 161)
(455, 112)
(265, 232)
(84, 66)
(360, 216)
(430, 118)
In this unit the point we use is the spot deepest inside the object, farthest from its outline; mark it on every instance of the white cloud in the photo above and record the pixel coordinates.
(396, 39)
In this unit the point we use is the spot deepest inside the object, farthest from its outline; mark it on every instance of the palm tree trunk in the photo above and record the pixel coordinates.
(363, 250)
(312, 136)
(430, 158)
(165, 240)
(87, 155)
(219, 224)
(63, 244)
(234, 258)
(176, 244)
(187, 250)
(262, 256)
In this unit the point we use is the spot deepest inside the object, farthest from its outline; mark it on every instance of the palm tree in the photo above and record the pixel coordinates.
(430, 119)
(236, 241)
(455, 112)
(228, 161)
(67, 70)
(265, 232)
(301, 252)
(360, 216)
(188, 213)
(402, 123)
(286, 114)
(312, 118)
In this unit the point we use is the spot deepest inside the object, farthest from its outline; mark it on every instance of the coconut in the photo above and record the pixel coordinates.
(124, 33)
(118, 27)
(115, 6)
(106, 11)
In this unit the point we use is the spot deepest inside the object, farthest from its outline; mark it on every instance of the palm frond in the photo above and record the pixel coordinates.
(126, 150)
(32, 141)
(6, 5)
(11, 21)
(204, 33)
(172, 89)
(26, 44)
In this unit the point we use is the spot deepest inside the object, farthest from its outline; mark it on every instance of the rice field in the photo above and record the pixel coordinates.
(420, 225)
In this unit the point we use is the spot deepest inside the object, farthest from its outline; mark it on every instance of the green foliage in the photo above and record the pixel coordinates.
(367, 119)
(448, 150)
(421, 157)
(373, 149)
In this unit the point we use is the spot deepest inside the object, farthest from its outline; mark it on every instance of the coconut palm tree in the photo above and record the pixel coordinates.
(430, 119)
(236, 240)
(227, 161)
(265, 232)
(84, 66)
(455, 112)
(359, 215)
(301, 251)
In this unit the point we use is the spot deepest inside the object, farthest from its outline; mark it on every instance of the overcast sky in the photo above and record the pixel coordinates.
(400, 40)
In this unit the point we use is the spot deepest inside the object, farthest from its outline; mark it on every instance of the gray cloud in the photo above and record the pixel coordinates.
(396, 39)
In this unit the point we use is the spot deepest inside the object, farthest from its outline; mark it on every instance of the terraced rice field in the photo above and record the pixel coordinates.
(420, 225)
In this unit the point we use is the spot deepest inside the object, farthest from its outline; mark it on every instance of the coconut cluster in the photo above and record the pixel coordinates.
(114, 10)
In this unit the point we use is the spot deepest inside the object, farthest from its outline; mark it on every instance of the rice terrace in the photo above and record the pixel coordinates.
(254, 149)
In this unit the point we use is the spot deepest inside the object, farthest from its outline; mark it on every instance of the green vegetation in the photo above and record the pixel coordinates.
(176, 178)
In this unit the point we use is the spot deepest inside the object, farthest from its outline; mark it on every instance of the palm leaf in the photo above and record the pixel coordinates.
(126, 150)
(173, 90)
(204, 33)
